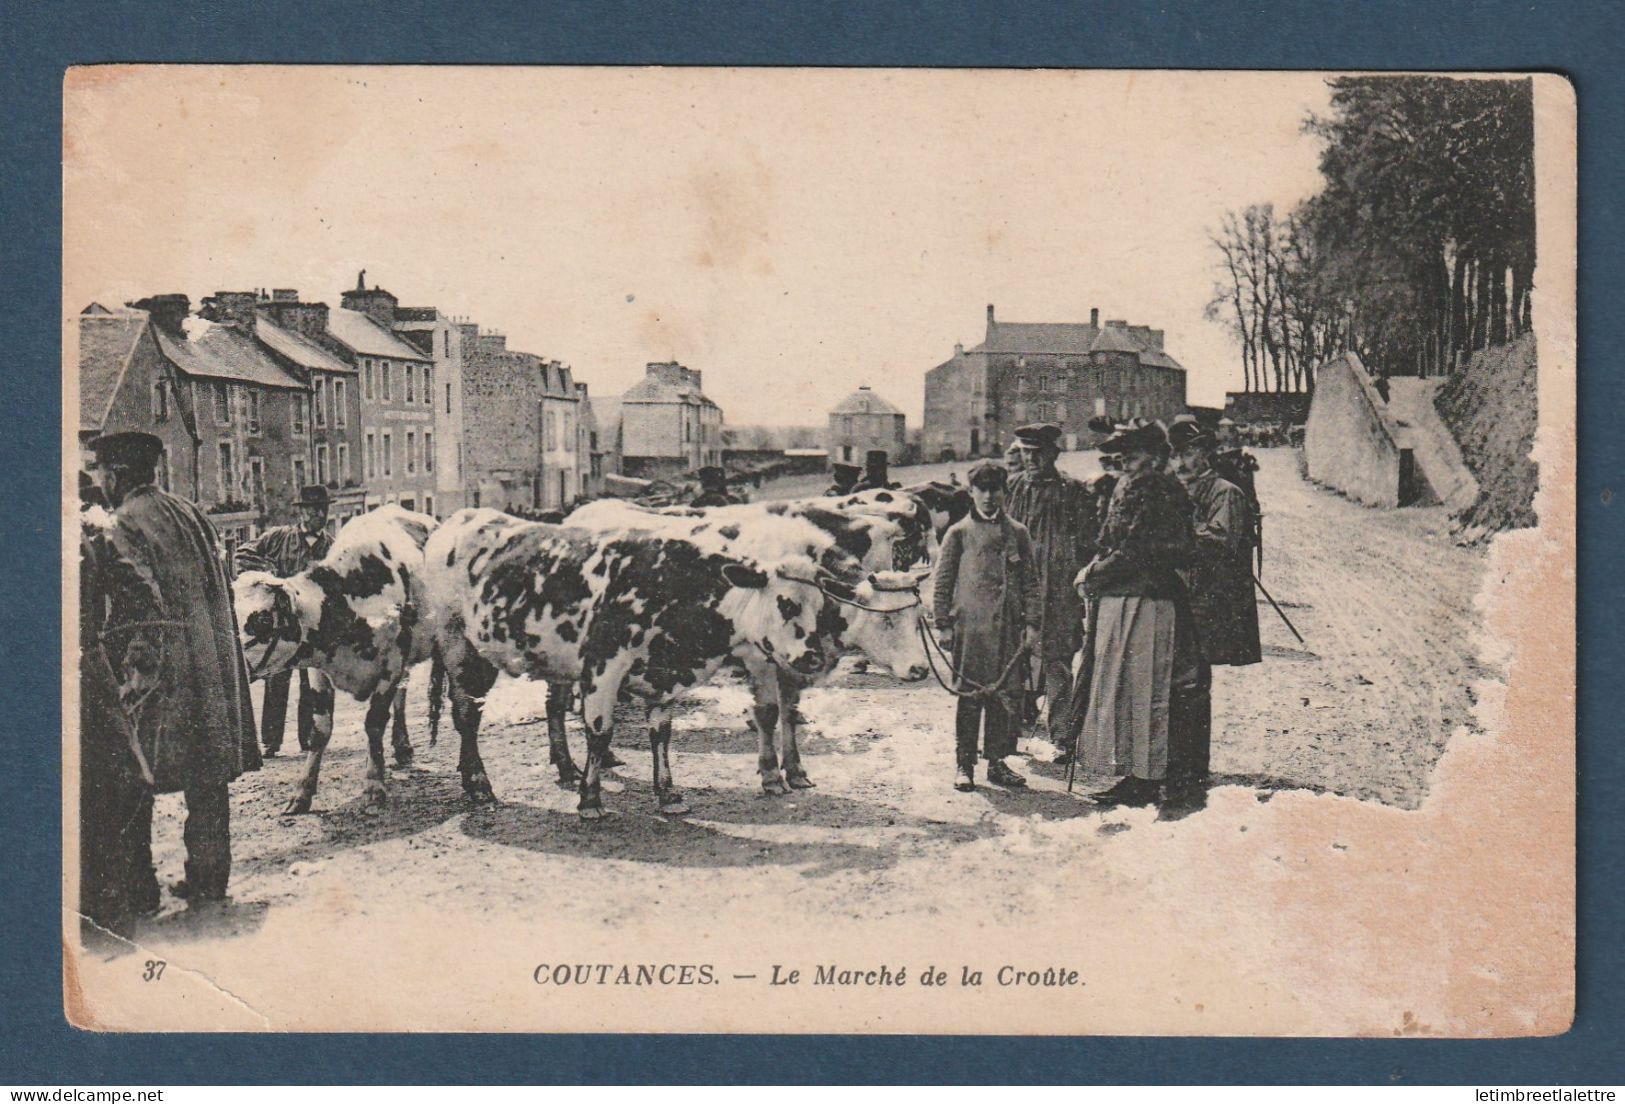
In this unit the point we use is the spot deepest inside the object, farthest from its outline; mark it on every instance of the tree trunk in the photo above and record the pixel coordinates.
(1498, 302)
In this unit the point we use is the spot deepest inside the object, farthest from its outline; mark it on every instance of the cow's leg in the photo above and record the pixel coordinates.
(671, 802)
(598, 714)
(378, 709)
(470, 677)
(321, 731)
(789, 750)
(764, 691)
(398, 737)
(558, 744)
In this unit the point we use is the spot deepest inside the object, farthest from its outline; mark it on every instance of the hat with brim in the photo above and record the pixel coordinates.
(313, 495)
(127, 449)
(1184, 435)
(875, 457)
(839, 469)
(1039, 435)
(713, 475)
(1145, 438)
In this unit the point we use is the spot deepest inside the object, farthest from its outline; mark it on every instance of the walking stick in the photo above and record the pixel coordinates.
(1276, 607)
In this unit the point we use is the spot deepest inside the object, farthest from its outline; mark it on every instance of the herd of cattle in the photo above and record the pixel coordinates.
(617, 600)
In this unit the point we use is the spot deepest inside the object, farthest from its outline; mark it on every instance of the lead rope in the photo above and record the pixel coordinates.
(977, 691)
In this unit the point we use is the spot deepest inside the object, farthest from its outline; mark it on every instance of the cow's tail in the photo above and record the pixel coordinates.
(437, 694)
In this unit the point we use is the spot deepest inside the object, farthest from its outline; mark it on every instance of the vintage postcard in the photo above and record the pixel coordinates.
(746, 550)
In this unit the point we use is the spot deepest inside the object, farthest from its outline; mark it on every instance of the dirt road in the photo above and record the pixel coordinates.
(1363, 709)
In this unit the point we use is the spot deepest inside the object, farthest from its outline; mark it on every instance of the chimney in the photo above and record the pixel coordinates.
(959, 348)
(230, 306)
(374, 302)
(990, 316)
(167, 311)
(284, 295)
(1094, 317)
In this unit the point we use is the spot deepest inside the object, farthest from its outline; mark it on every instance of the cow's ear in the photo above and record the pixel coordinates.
(287, 621)
(741, 575)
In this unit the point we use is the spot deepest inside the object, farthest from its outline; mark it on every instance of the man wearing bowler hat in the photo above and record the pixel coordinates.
(193, 719)
(713, 489)
(1058, 511)
(286, 550)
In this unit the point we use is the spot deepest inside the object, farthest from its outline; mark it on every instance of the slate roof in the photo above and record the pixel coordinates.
(606, 413)
(298, 348)
(223, 351)
(367, 338)
(106, 341)
(1077, 338)
(864, 401)
(1115, 339)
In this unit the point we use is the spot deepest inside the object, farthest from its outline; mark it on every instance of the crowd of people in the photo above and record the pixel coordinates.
(1114, 598)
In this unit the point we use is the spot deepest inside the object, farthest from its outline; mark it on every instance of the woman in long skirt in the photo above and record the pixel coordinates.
(1141, 639)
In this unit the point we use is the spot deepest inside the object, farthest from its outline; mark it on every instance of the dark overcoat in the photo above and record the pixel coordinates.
(1220, 576)
(283, 550)
(1061, 516)
(986, 588)
(197, 729)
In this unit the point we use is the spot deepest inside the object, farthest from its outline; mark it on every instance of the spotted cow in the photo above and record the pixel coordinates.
(650, 614)
(354, 618)
(863, 607)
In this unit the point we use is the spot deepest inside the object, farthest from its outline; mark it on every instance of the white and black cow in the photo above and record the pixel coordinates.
(649, 614)
(865, 607)
(355, 619)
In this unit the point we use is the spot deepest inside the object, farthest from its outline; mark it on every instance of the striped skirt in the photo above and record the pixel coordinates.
(1125, 730)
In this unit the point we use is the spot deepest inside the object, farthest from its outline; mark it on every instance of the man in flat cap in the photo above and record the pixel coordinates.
(1057, 511)
(844, 476)
(875, 475)
(286, 550)
(713, 488)
(194, 722)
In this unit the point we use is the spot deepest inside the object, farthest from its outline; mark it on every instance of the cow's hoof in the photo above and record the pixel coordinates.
(376, 797)
(403, 756)
(569, 777)
(673, 805)
(801, 782)
(774, 787)
(591, 812)
(299, 806)
(478, 789)
(611, 760)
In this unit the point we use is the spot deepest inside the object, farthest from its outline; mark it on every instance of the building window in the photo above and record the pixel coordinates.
(321, 402)
(160, 401)
(299, 479)
(411, 443)
(321, 463)
(428, 452)
(367, 391)
(383, 372)
(550, 431)
(296, 413)
(251, 403)
(411, 383)
(448, 398)
(446, 333)
(388, 459)
(428, 505)
(341, 392)
(371, 457)
(428, 386)
(222, 404)
(341, 467)
(256, 481)
(226, 477)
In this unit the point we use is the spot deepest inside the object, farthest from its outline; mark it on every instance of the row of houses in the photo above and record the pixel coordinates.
(259, 393)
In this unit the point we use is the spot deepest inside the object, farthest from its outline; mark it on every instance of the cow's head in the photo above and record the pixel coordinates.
(774, 608)
(880, 617)
(268, 623)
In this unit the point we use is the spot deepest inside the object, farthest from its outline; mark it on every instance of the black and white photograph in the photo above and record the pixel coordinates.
(986, 552)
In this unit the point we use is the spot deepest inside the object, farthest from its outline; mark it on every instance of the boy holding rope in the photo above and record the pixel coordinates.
(986, 607)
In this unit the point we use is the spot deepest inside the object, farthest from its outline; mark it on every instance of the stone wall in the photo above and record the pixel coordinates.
(1349, 443)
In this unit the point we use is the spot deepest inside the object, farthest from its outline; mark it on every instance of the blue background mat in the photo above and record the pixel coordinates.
(43, 38)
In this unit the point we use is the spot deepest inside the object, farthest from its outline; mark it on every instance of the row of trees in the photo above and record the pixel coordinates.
(1418, 250)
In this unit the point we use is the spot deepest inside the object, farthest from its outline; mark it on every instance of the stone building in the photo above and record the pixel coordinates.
(397, 385)
(668, 425)
(125, 382)
(864, 421)
(519, 427)
(441, 337)
(1061, 372)
(589, 455)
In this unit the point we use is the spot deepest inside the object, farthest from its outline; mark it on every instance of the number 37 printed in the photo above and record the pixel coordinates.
(154, 970)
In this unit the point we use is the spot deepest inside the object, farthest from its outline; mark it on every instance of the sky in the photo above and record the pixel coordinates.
(791, 233)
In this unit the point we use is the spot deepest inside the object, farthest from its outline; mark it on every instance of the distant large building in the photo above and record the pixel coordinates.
(862, 422)
(668, 426)
(1061, 372)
